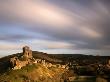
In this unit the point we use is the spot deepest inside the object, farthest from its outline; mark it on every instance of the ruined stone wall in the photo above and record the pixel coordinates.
(17, 63)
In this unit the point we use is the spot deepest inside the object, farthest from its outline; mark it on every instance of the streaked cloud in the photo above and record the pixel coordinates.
(48, 44)
(62, 24)
(33, 12)
(91, 33)
(9, 46)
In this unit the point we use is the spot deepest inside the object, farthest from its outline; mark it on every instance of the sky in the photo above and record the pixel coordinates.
(55, 26)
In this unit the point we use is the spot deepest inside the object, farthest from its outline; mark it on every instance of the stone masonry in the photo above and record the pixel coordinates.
(26, 58)
(27, 53)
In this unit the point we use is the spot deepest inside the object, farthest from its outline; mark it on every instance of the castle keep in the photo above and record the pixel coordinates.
(27, 53)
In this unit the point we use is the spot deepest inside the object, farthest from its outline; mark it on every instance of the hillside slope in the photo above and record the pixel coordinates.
(5, 61)
(33, 73)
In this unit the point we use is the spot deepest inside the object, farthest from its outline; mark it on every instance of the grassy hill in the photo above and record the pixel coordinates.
(33, 73)
(5, 64)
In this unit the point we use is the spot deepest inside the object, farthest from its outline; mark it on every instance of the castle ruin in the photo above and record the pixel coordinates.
(23, 60)
(27, 52)
(17, 62)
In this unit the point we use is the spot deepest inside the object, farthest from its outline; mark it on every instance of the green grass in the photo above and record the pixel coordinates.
(32, 73)
(17, 75)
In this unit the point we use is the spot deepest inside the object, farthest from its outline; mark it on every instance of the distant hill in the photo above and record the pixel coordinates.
(48, 57)
(82, 58)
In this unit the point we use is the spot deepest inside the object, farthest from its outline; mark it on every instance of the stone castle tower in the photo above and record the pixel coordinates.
(17, 63)
(27, 53)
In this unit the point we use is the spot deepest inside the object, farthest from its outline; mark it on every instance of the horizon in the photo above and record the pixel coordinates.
(50, 26)
(83, 52)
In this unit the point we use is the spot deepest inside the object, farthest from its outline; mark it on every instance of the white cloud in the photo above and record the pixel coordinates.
(51, 44)
(90, 32)
(10, 46)
(32, 12)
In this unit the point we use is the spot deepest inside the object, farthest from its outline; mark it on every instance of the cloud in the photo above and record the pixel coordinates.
(56, 24)
(48, 44)
(9, 46)
(91, 33)
(33, 12)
